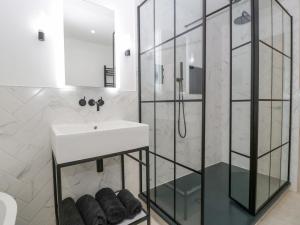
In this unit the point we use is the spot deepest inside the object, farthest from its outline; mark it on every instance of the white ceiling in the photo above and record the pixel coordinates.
(83, 16)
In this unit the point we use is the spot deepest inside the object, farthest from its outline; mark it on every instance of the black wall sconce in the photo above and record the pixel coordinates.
(41, 36)
(127, 52)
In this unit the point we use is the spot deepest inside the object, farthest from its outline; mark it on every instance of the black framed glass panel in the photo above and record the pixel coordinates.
(188, 149)
(261, 76)
(188, 15)
(265, 21)
(164, 20)
(189, 68)
(277, 75)
(152, 162)
(277, 26)
(147, 76)
(164, 71)
(274, 109)
(264, 127)
(287, 32)
(171, 77)
(275, 170)
(263, 180)
(241, 73)
(276, 131)
(241, 26)
(164, 132)
(165, 194)
(265, 68)
(146, 26)
(188, 196)
(240, 178)
(284, 164)
(240, 135)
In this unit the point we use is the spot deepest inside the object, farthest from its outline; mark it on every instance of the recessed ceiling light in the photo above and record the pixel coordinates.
(93, 31)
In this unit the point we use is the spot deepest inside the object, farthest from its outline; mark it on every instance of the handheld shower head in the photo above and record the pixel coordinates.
(182, 134)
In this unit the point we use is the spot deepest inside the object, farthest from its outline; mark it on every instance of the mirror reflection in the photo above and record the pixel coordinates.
(89, 44)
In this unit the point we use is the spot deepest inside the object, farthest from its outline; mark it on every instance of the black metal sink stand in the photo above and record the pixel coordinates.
(58, 184)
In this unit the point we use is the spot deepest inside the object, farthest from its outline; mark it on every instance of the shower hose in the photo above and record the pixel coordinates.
(181, 108)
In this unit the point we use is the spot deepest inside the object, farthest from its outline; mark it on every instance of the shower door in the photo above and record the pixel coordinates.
(171, 96)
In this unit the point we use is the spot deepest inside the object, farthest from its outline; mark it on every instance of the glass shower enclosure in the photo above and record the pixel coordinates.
(173, 59)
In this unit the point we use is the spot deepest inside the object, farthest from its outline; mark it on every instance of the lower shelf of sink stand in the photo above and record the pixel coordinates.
(142, 216)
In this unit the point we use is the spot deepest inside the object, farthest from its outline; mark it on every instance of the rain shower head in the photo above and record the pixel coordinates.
(243, 19)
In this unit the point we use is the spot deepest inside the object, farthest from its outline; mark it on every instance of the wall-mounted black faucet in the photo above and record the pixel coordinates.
(99, 103)
(82, 102)
(92, 102)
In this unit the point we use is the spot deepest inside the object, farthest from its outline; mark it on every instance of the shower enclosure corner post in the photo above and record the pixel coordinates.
(139, 91)
(203, 110)
(291, 100)
(230, 101)
(254, 104)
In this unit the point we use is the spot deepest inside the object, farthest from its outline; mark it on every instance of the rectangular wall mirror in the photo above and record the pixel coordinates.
(89, 42)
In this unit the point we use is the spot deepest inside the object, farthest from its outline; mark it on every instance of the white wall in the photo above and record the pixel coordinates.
(84, 62)
(25, 61)
(44, 66)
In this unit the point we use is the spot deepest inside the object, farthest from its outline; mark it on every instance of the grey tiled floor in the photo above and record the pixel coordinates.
(217, 201)
(285, 212)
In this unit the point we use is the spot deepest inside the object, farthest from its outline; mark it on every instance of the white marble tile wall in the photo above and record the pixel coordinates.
(217, 87)
(25, 160)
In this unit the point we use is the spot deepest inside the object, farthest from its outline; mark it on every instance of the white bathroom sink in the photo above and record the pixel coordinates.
(8, 209)
(72, 142)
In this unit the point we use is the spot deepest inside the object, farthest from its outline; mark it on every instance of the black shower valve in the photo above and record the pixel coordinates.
(92, 102)
(82, 102)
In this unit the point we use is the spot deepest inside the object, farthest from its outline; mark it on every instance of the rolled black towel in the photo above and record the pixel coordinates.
(71, 215)
(114, 210)
(131, 203)
(91, 211)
